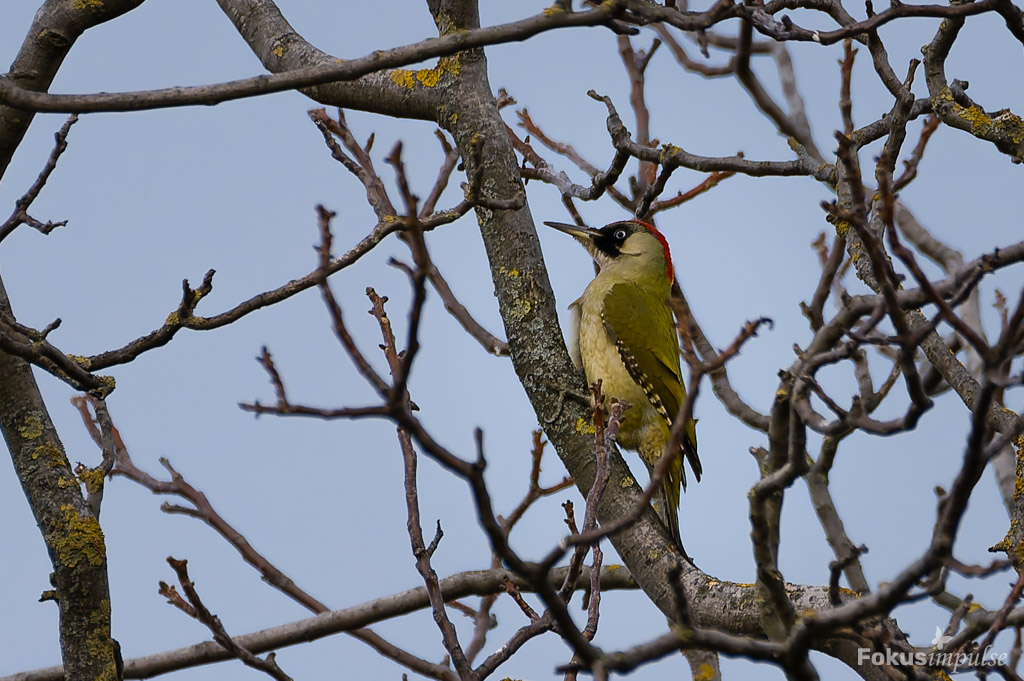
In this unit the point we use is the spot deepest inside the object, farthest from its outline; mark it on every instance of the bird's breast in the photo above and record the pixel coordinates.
(601, 360)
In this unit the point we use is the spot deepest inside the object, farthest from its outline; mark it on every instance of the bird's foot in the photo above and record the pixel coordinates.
(567, 393)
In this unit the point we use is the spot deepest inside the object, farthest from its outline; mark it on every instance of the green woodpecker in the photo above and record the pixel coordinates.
(625, 335)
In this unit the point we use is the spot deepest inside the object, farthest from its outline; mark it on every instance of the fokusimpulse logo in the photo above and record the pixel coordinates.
(951, 660)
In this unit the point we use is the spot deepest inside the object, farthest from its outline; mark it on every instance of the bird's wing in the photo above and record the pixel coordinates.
(645, 335)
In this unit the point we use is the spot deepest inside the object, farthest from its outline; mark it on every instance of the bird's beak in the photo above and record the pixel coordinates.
(584, 234)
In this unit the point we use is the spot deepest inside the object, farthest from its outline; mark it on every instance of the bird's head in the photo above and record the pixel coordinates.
(630, 244)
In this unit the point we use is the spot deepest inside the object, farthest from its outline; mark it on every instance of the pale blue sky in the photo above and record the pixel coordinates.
(155, 197)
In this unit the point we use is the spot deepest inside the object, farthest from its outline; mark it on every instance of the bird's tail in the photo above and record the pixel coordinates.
(690, 450)
(667, 500)
(671, 511)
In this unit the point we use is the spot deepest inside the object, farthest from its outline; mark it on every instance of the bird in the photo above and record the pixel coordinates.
(625, 336)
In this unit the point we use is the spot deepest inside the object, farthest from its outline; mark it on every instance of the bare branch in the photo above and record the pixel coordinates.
(20, 215)
(337, 70)
(193, 607)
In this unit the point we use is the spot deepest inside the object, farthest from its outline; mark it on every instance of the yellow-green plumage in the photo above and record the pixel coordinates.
(627, 338)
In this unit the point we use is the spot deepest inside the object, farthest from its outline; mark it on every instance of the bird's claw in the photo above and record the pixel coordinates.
(563, 393)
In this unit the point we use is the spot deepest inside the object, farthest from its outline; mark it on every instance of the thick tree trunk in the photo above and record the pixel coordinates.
(72, 533)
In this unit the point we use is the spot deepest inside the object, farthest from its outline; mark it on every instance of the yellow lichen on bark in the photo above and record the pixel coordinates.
(426, 77)
(32, 427)
(93, 479)
(705, 672)
(584, 427)
(403, 78)
(78, 540)
(50, 453)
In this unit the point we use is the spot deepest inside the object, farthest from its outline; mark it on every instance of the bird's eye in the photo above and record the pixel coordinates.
(620, 235)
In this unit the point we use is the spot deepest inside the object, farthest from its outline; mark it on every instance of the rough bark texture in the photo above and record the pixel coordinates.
(57, 25)
(72, 533)
(280, 48)
(528, 308)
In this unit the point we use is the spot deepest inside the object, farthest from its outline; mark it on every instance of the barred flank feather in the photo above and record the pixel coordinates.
(642, 380)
